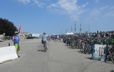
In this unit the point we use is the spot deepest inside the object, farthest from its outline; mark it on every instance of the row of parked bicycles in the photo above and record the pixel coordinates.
(86, 42)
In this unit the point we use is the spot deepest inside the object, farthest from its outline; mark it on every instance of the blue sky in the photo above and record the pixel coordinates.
(59, 16)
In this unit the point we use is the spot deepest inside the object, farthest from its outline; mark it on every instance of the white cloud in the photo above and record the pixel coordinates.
(53, 5)
(84, 5)
(112, 7)
(39, 3)
(102, 8)
(106, 10)
(101, 12)
(97, 1)
(69, 7)
(94, 12)
(111, 14)
(25, 1)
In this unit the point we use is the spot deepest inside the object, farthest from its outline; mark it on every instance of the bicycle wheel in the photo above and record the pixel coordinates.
(112, 57)
(89, 49)
(111, 54)
(45, 49)
(85, 49)
(72, 45)
(80, 48)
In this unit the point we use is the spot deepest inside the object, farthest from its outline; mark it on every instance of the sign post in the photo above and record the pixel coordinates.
(99, 52)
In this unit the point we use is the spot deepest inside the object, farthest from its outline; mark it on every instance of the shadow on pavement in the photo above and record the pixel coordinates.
(112, 71)
(80, 52)
(90, 58)
(41, 50)
(69, 47)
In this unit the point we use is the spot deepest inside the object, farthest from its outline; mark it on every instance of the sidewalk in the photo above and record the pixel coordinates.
(64, 59)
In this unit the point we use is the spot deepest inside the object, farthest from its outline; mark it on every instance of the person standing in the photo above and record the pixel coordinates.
(16, 39)
(44, 40)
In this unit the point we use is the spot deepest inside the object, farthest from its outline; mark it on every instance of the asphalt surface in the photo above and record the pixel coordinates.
(58, 58)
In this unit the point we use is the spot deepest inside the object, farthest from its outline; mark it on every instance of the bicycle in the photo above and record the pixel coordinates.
(87, 49)
(72, 44)
(45, 46)
(111, 53)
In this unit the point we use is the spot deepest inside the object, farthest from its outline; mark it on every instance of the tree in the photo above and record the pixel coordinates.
(7, 27)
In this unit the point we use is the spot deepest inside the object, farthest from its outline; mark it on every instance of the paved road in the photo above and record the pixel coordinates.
(58, 58)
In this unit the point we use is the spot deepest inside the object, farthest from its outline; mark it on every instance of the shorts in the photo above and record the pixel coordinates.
(44, 42)
(17, 46)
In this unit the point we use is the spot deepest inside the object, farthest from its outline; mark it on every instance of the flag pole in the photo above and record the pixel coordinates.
(19, 30)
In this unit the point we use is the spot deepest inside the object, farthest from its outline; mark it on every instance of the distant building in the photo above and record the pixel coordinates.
(24, 35)
(35, 35)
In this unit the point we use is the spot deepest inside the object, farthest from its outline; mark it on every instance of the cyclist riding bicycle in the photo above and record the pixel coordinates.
(16, 39)
(44, 41)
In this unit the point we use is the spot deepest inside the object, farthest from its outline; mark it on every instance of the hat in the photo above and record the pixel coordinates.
(44, 33)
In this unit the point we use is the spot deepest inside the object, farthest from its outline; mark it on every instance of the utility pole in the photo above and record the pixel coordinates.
(75, 27)
(71, 28)
(80, 27)
(89, 27)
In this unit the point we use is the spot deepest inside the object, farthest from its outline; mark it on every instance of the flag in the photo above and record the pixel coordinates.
(19, 29)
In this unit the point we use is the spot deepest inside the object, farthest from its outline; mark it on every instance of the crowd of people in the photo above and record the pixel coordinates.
(95, 38)
(85, 41)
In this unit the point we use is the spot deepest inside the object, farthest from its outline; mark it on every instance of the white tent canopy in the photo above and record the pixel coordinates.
(71, 33)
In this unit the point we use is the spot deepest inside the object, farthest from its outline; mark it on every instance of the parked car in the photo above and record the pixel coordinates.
(29, 38)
